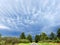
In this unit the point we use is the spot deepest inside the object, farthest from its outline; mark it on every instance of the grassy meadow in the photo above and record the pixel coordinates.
(47, 43)
(40, 44)
(24, 43)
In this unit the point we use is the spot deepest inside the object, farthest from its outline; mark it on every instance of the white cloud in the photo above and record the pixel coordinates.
(4, 27)
(44, 12)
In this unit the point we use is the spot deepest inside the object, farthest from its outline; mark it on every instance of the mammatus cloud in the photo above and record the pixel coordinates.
(30, 15)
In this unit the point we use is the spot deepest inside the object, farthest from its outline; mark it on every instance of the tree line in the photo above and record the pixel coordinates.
(43, 37)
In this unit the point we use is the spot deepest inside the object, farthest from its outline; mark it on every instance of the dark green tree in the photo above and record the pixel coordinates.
(37, 37)
(0, 37)
(22, 36)
(58, 33)
(43, 36)
(29, 37)
(52, 36)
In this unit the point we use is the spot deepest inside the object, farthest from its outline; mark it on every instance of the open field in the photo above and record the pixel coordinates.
(47, 43)
(40, 44)
(24, 44)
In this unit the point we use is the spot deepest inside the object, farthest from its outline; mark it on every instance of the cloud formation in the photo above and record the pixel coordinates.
(4, 27)
(30, 15)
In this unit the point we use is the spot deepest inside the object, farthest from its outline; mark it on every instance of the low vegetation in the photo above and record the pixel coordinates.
(40, 44)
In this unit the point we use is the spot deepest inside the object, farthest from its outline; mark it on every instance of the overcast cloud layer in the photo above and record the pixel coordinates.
(30, 16)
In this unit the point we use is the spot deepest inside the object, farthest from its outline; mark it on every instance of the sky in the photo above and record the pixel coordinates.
(29, 16)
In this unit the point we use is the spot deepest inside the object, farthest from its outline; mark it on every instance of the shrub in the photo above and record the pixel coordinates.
(2, 42)
(58, 41)
(24, 41)
(45, 41)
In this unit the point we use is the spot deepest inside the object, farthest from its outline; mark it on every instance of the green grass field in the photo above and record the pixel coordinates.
(24, 44)
(39, 44)
(47, 44)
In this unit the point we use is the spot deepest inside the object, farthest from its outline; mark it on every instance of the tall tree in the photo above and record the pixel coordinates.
(58, 33)
(22, 36)
(0, 37)
(52, 36)
(37, 37)
(43, 36)
(29, 37)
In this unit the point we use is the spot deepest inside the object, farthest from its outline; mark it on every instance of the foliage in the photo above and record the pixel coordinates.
(37, 38)
(58, 33)
(24, 41)
(52, 36)
(22, 36)
(29, 37)
(43, 36)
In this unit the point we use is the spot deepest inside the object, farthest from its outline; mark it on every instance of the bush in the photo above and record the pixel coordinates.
(2, 42)
(24, 41)
(58, 41)
(40, 42)
(53, 41)
(49, 41)
(45, 41)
